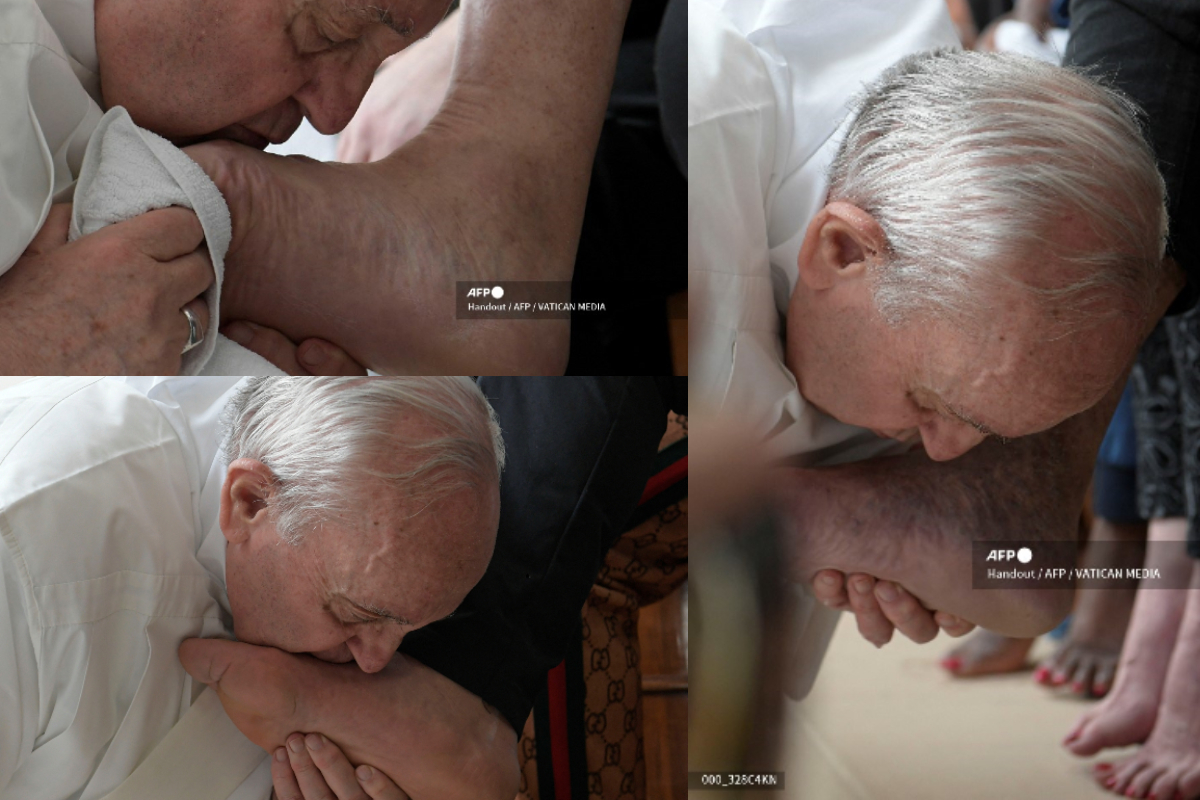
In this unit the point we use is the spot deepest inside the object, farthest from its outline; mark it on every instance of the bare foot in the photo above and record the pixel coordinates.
(1126, 716)
(987, 653)
(1087, 658)
(1168, 766)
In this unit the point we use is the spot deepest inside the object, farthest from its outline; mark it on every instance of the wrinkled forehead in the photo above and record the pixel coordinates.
(427, 556)
(1006, 374)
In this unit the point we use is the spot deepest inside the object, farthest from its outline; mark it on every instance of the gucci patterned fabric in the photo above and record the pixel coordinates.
(647, 563)
(1166, 413)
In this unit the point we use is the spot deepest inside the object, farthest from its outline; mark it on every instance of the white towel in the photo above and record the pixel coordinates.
(128, 171)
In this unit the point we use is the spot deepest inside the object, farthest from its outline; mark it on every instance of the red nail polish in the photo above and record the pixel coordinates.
(1041, 674)
(1077, 687)
(1104, 765)
(952, 664)
(1100, 689)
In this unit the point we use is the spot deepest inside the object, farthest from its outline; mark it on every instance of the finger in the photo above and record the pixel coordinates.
(902, 610)
(188, 276)
(872, 624)
(377, 785)
(312, 782)
(320, 357)
(952, 625)
(282, 777)
(266, 342)
(335, 769)
(53, 233)
(829, 587)
(163, 234)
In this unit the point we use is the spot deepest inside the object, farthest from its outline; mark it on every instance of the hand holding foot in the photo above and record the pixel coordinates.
(427, 733)
(882, 607)
(314, 768)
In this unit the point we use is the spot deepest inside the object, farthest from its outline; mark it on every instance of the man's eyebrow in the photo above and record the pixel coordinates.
(379, 612)
(979, 426)
(384, 16)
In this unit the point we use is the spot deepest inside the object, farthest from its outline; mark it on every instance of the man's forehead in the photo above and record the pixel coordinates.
(365, 12)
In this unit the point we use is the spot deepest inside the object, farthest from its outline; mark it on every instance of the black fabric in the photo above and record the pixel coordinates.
(1166, 413)
(1150, 49)
(580, 451)
(671, 66)
(631, 250)
(576, 712)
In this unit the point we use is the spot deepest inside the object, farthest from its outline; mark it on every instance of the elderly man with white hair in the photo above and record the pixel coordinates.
(332, 517)
(971, 252)
(126, 299)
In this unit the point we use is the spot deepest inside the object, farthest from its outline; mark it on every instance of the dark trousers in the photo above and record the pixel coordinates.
(1150, 49)
(631, 246)
(580, 451)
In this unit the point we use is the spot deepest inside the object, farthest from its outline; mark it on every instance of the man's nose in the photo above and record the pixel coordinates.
(944, 440)
(374, 648)
(333, 94)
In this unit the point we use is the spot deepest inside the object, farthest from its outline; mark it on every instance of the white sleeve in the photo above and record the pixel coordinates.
(731, 156)
(18, 670)
(47, 119)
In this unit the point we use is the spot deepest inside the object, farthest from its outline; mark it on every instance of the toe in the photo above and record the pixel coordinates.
(1082, 740)
(1102, 681)
(1189, 784)
(1165, 785)
(1140, 785)
(1125, 774)
(1081, 679)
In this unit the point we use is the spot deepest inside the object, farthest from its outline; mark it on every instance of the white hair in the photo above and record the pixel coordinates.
(321, 436)
(974, 164)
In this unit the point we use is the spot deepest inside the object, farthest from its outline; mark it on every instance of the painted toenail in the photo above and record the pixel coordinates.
(1100, 689)
(1077, 687)
(1041, 674)
(952, 664)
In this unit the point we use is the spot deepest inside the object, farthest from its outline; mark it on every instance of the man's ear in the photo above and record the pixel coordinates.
(841, 242)
(244, 499)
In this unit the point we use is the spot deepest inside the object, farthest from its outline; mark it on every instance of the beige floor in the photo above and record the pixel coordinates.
(890, 724)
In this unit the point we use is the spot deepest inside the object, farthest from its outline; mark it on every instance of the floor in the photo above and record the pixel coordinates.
(891, 724)
(662, 631)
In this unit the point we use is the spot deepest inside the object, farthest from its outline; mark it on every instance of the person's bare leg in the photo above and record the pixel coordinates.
(1168, 765)
(1087, 657)
(1127, 714)
(368, 255)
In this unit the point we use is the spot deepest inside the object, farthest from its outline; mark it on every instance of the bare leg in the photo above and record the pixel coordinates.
(1168, 766)
(1127, 714)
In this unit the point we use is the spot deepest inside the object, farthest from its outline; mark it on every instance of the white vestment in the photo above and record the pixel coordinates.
(50, 93)
(770, 91)
(110, 556)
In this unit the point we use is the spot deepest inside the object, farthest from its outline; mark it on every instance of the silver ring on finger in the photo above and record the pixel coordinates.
(195, 331)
